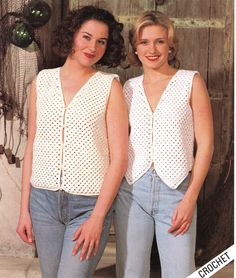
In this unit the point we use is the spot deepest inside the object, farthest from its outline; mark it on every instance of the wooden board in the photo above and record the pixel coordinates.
(45, 32)
(191, 56)
(191, 9)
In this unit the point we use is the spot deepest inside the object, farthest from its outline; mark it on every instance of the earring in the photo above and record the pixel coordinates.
(136, 52)
(169, 51)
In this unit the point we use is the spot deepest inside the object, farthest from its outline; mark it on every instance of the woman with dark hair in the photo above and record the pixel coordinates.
(64, 34)
(169, 108)
(76, 152)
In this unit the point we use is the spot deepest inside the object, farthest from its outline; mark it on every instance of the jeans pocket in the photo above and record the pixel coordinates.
(37, 197)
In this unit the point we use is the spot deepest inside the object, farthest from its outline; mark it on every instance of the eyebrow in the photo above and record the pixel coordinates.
(92, 35)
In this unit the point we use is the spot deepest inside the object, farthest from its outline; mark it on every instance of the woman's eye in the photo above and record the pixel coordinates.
(102, 42)
(160, 41)
(144, 42)
(86, 37)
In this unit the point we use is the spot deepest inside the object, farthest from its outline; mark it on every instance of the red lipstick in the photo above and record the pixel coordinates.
(90, 56)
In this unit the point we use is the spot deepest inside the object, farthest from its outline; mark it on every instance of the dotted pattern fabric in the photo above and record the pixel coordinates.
(77, 165)
(164, 137)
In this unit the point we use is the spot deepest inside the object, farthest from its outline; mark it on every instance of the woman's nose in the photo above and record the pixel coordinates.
(92, 45)
(152, 47)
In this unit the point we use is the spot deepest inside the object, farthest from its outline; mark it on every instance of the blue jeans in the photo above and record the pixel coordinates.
(145, 208)
(56, 215)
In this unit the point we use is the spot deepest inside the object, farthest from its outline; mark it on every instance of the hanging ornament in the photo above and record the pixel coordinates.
(37, 12)
(21, 34)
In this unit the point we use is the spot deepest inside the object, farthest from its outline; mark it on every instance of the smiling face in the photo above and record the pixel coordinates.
(152, 47)
(90, 43)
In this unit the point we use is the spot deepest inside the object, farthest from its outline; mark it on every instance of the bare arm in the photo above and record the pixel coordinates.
(24, 227)
(203, 128)
(117, 125)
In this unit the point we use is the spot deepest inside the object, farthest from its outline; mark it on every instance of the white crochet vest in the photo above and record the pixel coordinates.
(165, 137)
(78, 165)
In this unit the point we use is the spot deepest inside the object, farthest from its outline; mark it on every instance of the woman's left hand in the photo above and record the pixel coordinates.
(88, 237)
(182, 217)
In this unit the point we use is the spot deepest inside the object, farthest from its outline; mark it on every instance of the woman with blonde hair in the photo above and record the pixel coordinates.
(169, 108)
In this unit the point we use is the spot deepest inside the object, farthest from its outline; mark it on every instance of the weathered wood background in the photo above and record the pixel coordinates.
(205, 30)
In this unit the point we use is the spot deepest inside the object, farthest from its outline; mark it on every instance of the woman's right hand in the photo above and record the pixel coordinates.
(24, 228)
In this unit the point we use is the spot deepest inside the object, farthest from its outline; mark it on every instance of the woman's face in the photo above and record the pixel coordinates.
(90, 42)
(153, 47)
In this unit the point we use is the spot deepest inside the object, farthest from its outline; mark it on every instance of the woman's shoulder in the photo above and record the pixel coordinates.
(49, 72)
(47, 76)
(187, 72)
(108, 75)
(134, 81)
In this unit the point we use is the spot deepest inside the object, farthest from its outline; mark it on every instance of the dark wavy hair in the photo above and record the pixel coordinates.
(152, 18)
(64, 34)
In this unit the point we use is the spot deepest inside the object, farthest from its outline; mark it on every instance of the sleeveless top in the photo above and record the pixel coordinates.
(164, 137)
(77, 165)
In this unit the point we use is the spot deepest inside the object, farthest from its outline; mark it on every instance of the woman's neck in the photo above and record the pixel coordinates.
(72, 67)
(151, 75)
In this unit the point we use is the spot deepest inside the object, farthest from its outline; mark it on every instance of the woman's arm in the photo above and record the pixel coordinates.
(203, 129)
(89, 232)
(24, 227)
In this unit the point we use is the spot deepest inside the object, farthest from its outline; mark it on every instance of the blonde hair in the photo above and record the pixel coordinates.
(151, 18)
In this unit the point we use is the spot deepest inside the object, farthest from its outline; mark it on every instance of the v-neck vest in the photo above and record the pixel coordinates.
(78, 164)
(165, 137)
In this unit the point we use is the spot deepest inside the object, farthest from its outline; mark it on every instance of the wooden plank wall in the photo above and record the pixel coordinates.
(205, 31)
(58, 10)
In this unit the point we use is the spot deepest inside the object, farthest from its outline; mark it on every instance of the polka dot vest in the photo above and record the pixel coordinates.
(164, 137)
(79, 163)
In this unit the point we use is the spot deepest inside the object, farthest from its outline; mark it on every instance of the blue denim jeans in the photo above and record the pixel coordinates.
(145, 208)
(56, 215)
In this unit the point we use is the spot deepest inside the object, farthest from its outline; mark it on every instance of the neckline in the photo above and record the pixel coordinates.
(164, 92)
(77, 92)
